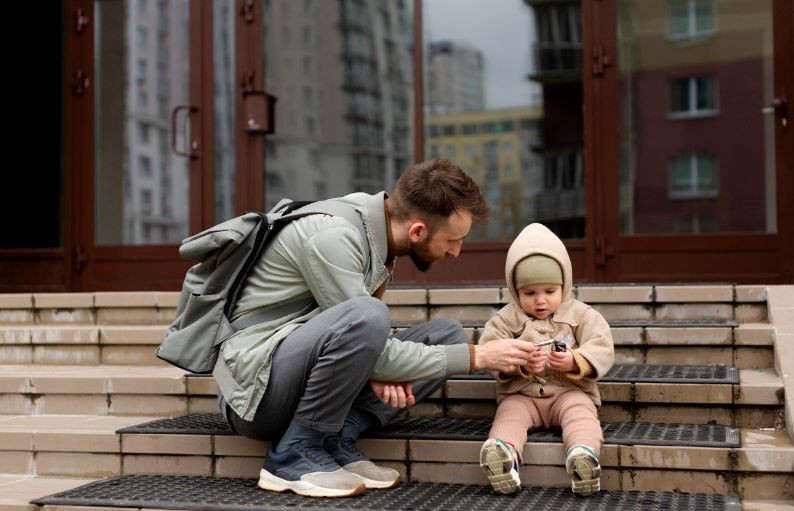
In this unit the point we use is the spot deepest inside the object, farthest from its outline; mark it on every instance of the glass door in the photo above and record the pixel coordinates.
(694, 179)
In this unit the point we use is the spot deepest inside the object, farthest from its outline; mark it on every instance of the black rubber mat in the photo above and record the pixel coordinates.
(225, 494)
(439, 428)
(672, 374)
(640, 373)
(655, 323)
(716, 374)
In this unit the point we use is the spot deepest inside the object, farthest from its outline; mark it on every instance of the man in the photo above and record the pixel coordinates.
(311, 378)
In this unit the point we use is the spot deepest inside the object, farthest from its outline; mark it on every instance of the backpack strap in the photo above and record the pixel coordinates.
(336, 208)
(326, 207)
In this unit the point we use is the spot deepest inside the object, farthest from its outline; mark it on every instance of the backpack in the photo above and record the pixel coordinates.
(226, 253)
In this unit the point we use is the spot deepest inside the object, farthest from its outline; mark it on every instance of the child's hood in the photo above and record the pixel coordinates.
(537, 239)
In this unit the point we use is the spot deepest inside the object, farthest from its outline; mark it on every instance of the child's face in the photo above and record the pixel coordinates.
(540, 300)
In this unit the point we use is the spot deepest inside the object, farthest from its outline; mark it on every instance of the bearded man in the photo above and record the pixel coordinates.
(323, 366)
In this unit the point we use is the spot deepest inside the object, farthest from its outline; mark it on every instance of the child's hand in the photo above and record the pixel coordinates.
(561, 361)
(536, 363)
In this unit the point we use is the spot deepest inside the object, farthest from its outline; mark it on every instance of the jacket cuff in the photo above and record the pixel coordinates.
(585, 369)
(457, 359)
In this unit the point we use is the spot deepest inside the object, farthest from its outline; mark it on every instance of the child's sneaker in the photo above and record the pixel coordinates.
(581, 463)
(500, 462)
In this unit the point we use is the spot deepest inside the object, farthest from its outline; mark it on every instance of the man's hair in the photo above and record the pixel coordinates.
(434, 189)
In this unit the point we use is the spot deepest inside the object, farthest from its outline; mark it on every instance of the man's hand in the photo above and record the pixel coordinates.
(503, 355)
(562, 361)
(394, 394)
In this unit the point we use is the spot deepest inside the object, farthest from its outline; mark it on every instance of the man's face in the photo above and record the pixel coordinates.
(445, 242)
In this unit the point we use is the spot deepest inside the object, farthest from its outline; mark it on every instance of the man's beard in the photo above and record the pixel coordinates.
(421, 256)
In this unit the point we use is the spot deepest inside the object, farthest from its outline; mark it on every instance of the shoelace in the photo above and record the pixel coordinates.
(349, 445)
(317, 455)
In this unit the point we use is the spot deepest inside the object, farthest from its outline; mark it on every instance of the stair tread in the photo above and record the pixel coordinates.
(34, 426)
(213, 493)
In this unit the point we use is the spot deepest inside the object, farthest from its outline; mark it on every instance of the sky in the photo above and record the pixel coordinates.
(502, 30)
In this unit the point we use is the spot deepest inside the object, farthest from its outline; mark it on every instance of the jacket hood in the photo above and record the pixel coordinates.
(537, 239)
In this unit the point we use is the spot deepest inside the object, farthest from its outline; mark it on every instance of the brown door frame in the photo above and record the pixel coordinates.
(252, 110)
(146, 267)
(743, 258)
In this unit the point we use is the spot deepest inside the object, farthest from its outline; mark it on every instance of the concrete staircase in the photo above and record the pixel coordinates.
(75, 368)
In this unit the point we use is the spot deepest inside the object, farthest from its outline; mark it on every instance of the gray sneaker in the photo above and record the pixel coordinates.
(581, 463)
(345, 452)
(307, 469)
(500, 463)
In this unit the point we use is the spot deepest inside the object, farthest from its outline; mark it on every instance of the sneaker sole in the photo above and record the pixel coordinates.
(268, 481)
(502, 481)
(374, 484)
(585, 479)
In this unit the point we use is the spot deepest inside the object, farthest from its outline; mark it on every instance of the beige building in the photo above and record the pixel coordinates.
(496, 148)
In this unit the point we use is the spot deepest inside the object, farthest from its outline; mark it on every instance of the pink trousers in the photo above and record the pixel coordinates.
(573, 411)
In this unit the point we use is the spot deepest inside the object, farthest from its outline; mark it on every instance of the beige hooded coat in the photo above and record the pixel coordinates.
(581, 327)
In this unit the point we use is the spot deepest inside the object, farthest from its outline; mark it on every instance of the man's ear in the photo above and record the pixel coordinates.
(416, 231)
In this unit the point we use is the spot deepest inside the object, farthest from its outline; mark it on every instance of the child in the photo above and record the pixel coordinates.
(555, 388)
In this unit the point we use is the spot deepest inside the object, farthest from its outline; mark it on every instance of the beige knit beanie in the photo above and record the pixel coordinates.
(537, 269)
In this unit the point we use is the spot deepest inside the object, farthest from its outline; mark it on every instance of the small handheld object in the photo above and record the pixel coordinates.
(559, 346)
(544, 343)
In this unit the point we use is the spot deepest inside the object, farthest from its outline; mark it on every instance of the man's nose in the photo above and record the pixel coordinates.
(455, 250)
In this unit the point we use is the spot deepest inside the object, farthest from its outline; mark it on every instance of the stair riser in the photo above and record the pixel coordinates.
(741, 357)
(467, 312)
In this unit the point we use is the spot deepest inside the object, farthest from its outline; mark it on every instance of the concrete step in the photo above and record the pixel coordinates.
(88, 446)
(411, 305)
(746, 345)
(17, 490)
(757, 401)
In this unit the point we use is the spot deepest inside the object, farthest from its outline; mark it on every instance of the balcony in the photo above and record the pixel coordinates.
(556, 61)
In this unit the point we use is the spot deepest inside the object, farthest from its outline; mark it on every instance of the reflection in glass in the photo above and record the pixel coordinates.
(520, 139)
(223, 16)
(141, 187)
(342, 74)
(693, 78)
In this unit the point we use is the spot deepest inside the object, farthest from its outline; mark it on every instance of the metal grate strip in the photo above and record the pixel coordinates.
(225, 494)
(672, 374)
(440, 428)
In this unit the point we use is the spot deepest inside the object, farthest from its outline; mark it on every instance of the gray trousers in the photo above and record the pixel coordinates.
(322, 369)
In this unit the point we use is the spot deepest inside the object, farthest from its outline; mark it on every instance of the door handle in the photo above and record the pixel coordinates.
(192, 149)
(778, 106)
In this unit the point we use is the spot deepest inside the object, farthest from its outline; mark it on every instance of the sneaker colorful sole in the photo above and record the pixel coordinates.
(268, 481)
(500, 467)
(585, 478)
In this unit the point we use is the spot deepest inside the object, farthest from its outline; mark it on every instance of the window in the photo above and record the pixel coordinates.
(143, 133)
(146, 202)
(449, 151)
(690, 19)
(469, 129)
(143, 36)
(143, 99)
(694, 96)
(693, 175)
(433, 151)
(449, 129)
(142, 71)
(145, 165)
(432, 130)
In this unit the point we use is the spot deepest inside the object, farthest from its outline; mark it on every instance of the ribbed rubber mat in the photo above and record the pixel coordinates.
(440, 428)
(622, 323)
(716, 374)
(225, 494)
(672, 374)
